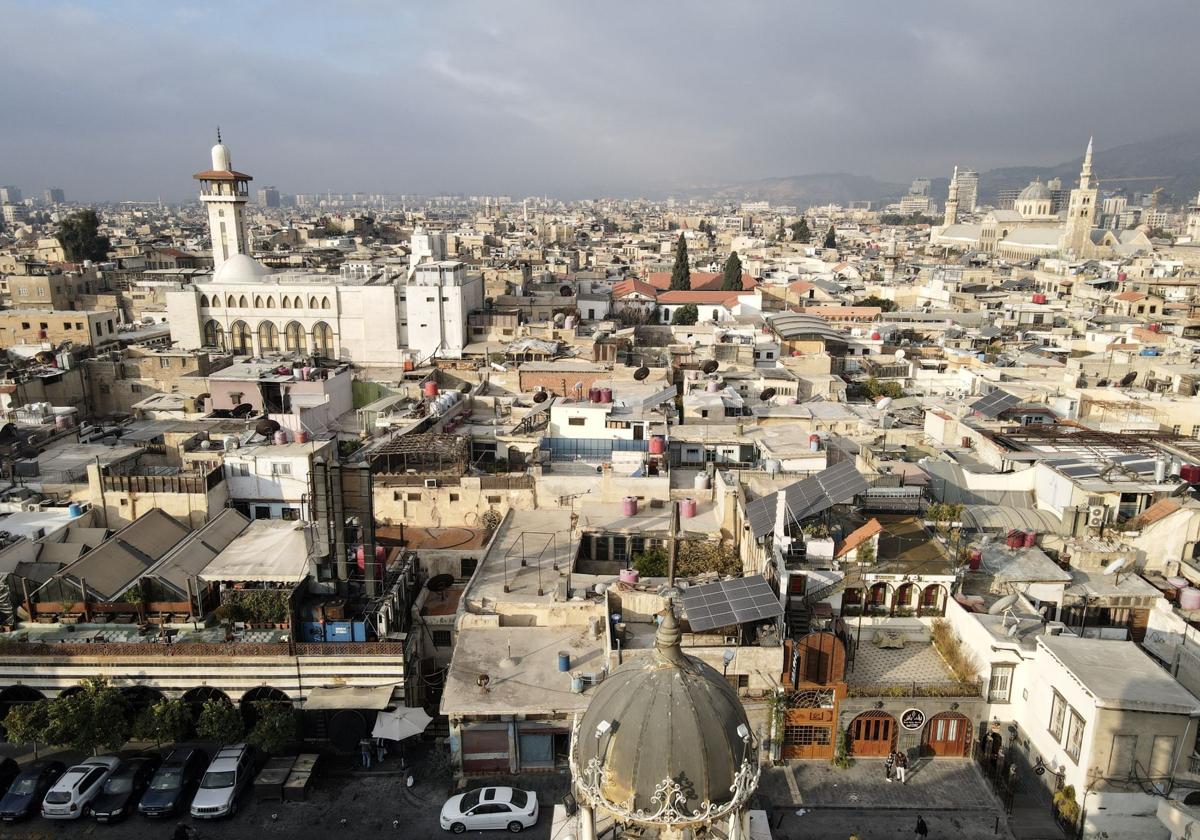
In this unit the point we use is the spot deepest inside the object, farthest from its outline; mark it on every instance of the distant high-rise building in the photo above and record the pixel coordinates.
(268, 197)
(54, 195)
(968, 190)
(919, 186)
(10, 194)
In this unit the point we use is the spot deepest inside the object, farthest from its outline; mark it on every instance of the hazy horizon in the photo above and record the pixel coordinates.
(121, 100)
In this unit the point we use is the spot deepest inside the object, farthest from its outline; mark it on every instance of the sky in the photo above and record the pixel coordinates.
(120, 100)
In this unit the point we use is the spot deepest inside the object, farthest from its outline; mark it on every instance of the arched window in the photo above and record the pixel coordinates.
(312, 303)
(270, 302)
(231, 302)
(241, 339)
(268, 337)
(214, 336)
(285, 302)
(324, 303)
(322, 339)
(298, 303)
(258, 302)
(204, 300)
(242, 302)
(293, 337)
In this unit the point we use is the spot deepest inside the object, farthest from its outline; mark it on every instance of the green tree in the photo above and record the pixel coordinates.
(652, 563)
(686, 315)
(26, 723)
(883, 303)
(275, 726)
(220, 721)
(681, 272)
(800, 231)
(94, 717)
(731, 278)
(831, 238)
(80, 238)
(779, 231)
(167, 721)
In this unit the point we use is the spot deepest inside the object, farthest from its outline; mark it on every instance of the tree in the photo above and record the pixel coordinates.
(94, 717)
(220, 721)
(883, 303)
(800, 231)
(830, 238)
(165, 722)
(779, 234)
(79, 236)
(731, 279)
(681, 272)
(686, 315)
(275, 727)
(652, 563)
(26, 723)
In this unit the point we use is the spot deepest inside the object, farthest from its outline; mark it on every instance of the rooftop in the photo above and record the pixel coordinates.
(1120, 676)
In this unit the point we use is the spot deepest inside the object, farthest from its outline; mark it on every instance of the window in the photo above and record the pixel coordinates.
(442, 638)
(1162, 757)
(1000, 684)
(164, 362)
(1120, 758)
(291, 514)
(44, 326)
(66, 325)
(1175, 429)
(467, 566)
(24, 325)
(806, 736)
(576, 421)
(23, 292)
(493, 500)
(135, 388)
(1195, 432)
(239, 470)
(262, 512)
(454, 497)
(1075, 736)
(1058, 710)
(280, 468)
(413, 497)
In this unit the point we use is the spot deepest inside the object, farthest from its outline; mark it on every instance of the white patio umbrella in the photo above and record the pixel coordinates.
(400, 723)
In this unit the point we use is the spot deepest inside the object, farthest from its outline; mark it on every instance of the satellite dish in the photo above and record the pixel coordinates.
(1002, 604)
(766, 394)
(540, 396)
(1012, 631)
(1115, 566)
(242, 410)
(1103, 383)
(884, 403)
(710, 366)
(900, 354)
(565, 291)
(439, 583)
(266, 427)
(1128, 379)
(641, 373)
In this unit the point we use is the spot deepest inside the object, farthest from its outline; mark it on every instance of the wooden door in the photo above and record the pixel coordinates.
(872, 734)
(947, 735)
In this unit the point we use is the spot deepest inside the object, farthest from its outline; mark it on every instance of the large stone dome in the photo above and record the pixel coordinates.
(1034, 192)
(665, 718)
(240, 268)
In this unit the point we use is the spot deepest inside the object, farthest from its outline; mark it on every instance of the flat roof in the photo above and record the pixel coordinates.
(542, 538)
(1120, 675)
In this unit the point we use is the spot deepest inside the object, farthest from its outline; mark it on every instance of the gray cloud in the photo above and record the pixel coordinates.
(120, 99)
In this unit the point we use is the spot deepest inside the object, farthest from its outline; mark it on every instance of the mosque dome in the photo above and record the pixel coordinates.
(220, 158)
(240, 268)
(665, 740)
(1034, 192)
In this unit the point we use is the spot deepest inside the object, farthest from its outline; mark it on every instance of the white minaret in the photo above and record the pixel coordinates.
(225, 191)
(1081, 215)
(951, 216)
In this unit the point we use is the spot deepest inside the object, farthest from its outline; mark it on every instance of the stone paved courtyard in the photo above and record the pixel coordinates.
(915, 662)
(946, 783)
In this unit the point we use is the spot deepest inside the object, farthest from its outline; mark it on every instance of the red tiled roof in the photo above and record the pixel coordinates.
(679, 296)
(702, 281)
(633, 285)
(1159, 510)
(1131, 297)
(857, 537)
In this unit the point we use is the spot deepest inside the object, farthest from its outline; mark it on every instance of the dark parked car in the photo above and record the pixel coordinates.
(172, 787)
(24, 796)
(9, 770)
(123, 788)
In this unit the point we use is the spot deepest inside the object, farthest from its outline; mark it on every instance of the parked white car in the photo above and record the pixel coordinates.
(490, 807)
(77, 787)
(228, 774)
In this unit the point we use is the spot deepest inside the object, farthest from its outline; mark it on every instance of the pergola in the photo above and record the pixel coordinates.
(428, 453)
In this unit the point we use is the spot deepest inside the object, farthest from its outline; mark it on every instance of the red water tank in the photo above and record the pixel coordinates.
(1190, 473)
(430, 389)
(606, 395)
(1039, 298)
(360, 556)
(1155, 327)
(1030, 539)
(658, 445)
(875, 336)
(976, 559)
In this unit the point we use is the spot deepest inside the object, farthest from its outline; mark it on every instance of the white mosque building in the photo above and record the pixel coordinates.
(248, 310)
(1031, 230)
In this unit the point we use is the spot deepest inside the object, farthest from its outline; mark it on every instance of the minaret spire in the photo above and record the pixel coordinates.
(218, 134)
(1085, 173)
(951, 216)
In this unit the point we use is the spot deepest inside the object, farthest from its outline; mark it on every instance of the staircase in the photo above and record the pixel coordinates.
(798, 616)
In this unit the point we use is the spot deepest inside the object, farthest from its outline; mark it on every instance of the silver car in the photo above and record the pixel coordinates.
(227, 776)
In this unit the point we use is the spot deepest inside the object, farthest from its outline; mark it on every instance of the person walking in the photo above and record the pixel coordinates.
(364, 747)
(889, 765)
(922, 829)
(902, 766)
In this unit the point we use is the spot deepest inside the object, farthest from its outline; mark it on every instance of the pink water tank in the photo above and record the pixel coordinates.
(281, 437)
(814, 442)
(629, 506)
(1030, 539)
(430, 389)
(302, 436)
(687, 508)
(976, 559)
(593, 394)
(658, 445)
(629, 576)
(875, 336)
(1189, 598)
(360, 556)
(606, 395)
(713, 386)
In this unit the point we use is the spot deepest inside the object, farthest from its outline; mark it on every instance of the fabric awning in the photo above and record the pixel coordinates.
(375, 697)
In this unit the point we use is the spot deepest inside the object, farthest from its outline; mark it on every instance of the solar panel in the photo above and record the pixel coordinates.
(994, 403)
(808, 497)
(726, 602)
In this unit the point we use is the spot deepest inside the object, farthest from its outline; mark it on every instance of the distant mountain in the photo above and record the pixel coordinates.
(800, 190)
(1173, 162)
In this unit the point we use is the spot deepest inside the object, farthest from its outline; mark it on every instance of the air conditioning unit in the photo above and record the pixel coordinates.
(1096, 516)
(432, 483)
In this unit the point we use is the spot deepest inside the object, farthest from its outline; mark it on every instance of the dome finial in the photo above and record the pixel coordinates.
(218, 134)
(668, 636)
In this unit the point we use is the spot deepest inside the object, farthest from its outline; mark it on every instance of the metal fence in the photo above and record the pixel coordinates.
(589, 449)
